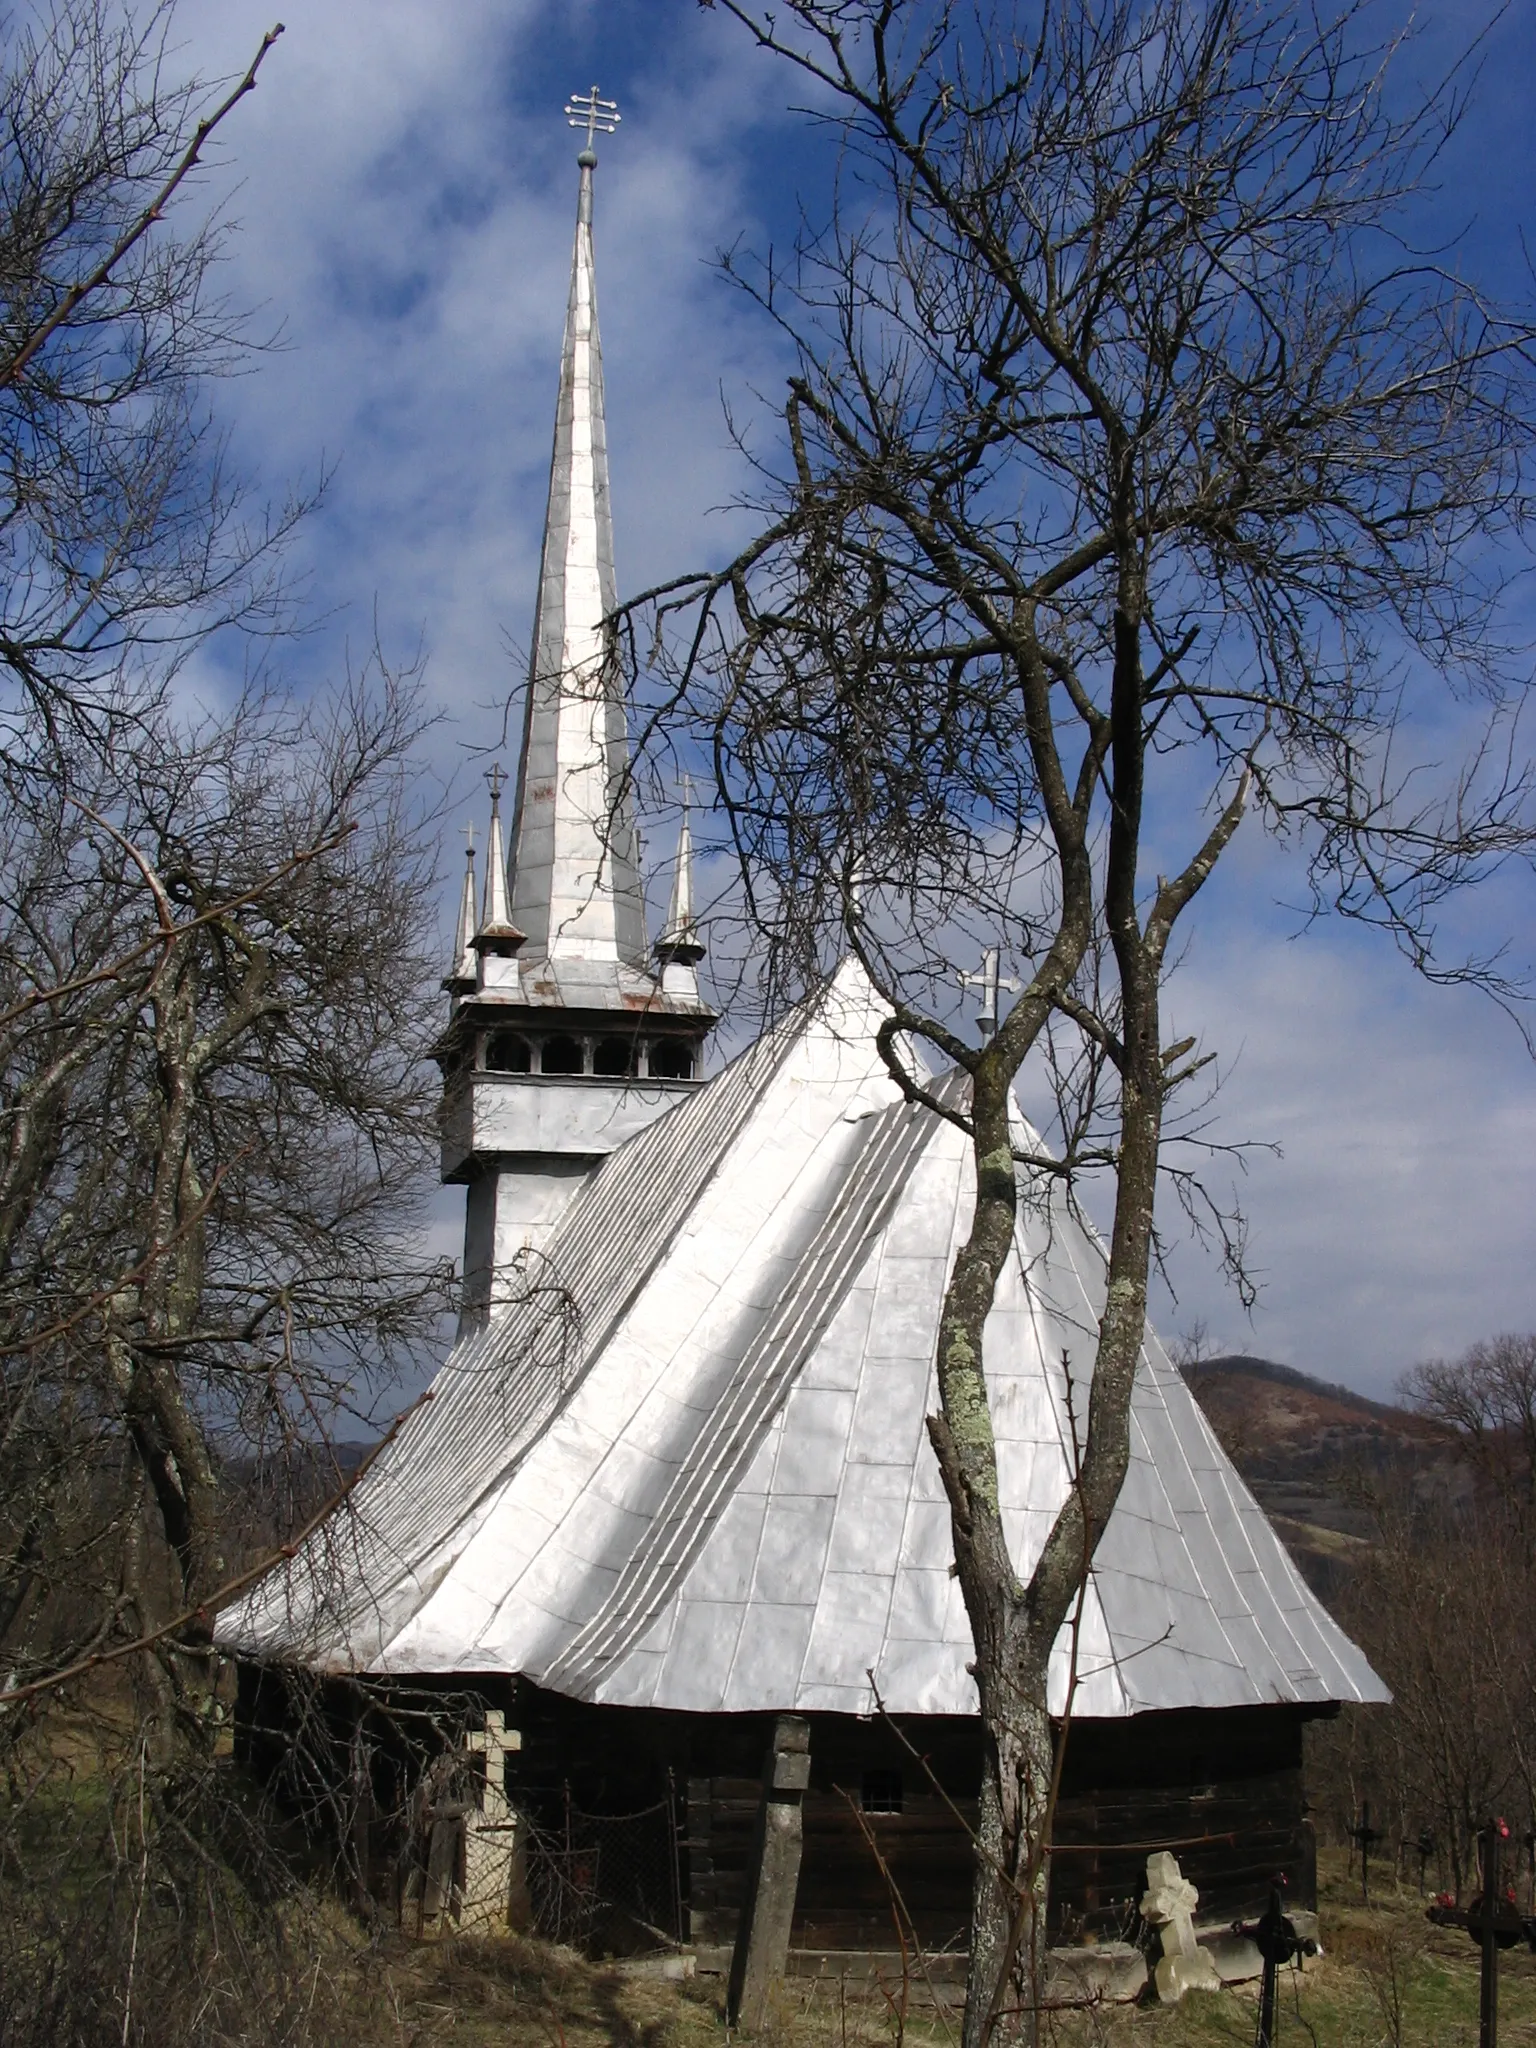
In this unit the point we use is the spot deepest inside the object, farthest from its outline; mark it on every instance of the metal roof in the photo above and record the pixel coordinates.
(689, 1469)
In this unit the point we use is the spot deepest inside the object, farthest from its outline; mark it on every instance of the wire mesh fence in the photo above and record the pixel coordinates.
(607, 1879)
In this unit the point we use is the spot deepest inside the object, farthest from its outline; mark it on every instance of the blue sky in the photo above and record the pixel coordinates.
(405, 184)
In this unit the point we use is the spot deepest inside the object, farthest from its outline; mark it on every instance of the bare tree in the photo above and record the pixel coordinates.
(125, 537)
(215, 1119)
(1441, 1599)
(1488, 1398)
(1137, 475)
(1443, 1603)
(215, 1126)
(214, 1113)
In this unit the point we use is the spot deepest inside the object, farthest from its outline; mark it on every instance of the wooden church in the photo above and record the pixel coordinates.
(673, 1481)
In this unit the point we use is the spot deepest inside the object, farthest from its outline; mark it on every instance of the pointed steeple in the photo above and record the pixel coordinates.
(575, 877)
(571, 1037)
(680, 949)
(462, 976)
(497, 938)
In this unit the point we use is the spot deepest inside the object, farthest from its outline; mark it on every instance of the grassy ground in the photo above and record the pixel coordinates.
(1387, 1979)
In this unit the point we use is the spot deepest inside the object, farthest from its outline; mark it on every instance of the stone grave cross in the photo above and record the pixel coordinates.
(495, 1742)
(492, 1842)
(1169, 1904)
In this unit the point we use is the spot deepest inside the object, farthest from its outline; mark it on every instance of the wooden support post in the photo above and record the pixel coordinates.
(442, 1895)
(362, 1820)
(773, 1874)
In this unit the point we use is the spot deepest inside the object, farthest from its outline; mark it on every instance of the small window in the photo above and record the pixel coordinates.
(618, 1058)
(672, 1060)
(562, 1056)
(882, 1792)
(506, 1053)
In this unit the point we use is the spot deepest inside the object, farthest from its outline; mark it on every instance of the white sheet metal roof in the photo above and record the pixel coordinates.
(691, 1470)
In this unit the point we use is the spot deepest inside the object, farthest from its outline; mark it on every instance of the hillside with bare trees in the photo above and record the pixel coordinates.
(1417, 1522)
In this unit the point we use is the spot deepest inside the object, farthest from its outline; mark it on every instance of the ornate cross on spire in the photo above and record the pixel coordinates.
(498, 783)
(598, 116)
(990, 982)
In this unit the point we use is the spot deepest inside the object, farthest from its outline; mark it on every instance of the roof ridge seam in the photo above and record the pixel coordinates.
(958, 1196)
(487, 1348)
(688, 1510)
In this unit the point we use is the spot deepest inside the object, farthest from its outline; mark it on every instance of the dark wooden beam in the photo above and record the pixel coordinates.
(773, 1876)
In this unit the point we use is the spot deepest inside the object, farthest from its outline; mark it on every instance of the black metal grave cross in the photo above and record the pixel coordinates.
(1422, 1846)
(1494, 1921)
(1367, 1837)
(1274, 1935)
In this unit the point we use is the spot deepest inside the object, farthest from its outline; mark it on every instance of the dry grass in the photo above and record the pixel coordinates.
(307, 1975)
(1387, 1980)
(514, 1992)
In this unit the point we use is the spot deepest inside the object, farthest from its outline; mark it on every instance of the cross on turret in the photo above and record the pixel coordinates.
(990, 982)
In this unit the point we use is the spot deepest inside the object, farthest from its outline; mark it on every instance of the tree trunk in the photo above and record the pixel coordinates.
(1006, 1977)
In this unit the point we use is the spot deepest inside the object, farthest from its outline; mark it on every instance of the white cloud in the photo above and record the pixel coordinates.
(1399, 1222)
(411, 227)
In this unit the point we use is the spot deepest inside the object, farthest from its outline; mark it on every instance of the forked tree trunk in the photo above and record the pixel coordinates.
(1015, 1626)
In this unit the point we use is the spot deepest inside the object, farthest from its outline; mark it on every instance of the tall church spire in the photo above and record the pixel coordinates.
(566, 1037)
(575, 875)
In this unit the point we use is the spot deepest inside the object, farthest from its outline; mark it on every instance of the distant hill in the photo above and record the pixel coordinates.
(1282, 1422)
(1306, 1447)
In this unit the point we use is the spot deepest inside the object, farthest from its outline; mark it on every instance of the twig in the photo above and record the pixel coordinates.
(116, 968)
(141, 227)
(138, 1904)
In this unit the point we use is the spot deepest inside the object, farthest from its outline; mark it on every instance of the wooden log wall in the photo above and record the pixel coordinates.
(1222, 1790)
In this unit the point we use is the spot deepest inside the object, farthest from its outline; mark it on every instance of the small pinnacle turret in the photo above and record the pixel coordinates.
(462, 977)
(497, 938)
(679, 948)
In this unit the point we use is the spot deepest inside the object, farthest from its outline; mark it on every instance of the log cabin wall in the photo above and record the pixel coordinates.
(860, 1772)
(1222, 1789)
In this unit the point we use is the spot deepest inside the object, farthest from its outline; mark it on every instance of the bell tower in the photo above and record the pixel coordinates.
(568, 1032)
